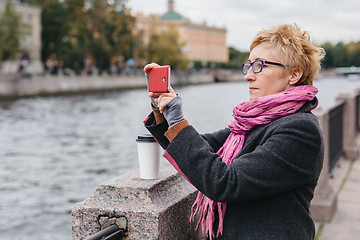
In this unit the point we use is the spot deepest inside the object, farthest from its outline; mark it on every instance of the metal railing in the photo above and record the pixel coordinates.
(112, 232)
(357, 112)
(335, 135)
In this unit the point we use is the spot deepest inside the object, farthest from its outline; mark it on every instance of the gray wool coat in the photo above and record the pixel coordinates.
(269, 185)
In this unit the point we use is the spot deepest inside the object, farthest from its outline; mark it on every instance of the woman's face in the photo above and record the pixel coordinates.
(272, 78)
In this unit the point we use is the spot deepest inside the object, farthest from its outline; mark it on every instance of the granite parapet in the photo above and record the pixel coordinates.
(144, 209)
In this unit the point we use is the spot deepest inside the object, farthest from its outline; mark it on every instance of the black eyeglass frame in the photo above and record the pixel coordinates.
(262, 65)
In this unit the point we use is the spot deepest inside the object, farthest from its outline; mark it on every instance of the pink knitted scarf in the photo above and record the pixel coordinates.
(259, 111)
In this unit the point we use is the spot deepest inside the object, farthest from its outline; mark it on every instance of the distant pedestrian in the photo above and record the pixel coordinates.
(256, 177)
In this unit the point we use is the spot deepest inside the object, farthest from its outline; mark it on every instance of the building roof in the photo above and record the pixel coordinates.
(172, 16)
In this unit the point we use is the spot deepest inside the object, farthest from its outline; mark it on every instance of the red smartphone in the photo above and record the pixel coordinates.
(159, 79)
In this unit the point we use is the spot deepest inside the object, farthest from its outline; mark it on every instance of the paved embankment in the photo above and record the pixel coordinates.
(49, 85)
(346, 221)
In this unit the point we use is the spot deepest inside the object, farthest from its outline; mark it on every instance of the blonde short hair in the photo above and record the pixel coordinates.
(297, 48)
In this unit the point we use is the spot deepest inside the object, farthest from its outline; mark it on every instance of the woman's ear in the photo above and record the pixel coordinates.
(295, 76)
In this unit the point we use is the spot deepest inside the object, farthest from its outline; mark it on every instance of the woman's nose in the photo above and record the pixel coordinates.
(250, 76)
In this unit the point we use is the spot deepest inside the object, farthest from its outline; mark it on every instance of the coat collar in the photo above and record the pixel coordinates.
(307, 107)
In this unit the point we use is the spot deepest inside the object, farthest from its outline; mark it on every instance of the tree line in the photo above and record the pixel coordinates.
(82, 34)
(87, 34)
(337, 55)
(341, 55)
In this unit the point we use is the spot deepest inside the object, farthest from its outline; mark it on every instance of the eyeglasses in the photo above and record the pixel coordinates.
(257, 65)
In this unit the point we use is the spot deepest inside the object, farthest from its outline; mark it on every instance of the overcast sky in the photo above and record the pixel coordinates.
(326, 20)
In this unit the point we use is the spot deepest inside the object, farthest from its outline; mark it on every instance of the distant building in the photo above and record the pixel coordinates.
(30, 42)
(202, 42)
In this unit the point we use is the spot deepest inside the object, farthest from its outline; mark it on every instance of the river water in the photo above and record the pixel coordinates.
(54, 151)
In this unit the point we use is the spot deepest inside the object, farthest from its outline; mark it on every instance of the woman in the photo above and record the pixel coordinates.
(256, 177)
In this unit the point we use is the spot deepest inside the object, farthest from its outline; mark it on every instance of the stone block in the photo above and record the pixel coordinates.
(324, 204)
(350, 148)
(144, 209)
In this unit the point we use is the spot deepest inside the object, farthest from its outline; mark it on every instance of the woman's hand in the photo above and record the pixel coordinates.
(161, 99)
(150, 66)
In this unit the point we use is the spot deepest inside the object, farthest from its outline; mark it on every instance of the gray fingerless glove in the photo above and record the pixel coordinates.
(173, 111)
(153, 103)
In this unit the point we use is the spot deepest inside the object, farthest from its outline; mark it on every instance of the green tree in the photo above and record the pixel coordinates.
(139, 53)
(9, 33)
(55, 29)
(77, 42)
(328, 62)
(236, 58)
(165, 48)
(99, 44)
(341, 55)
(354, 53)
(109, 32)
(119, 27)
(76, 30)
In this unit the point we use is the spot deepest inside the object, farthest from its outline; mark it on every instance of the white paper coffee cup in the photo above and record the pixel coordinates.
(149, 156)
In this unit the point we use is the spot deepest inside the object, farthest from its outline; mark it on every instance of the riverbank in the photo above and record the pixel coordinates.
(18, 87)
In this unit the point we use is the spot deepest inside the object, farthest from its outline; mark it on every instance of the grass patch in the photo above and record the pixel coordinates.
(346, 176)
(318, 232)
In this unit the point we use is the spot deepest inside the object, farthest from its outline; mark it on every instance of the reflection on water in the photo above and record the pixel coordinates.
(54, 151)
